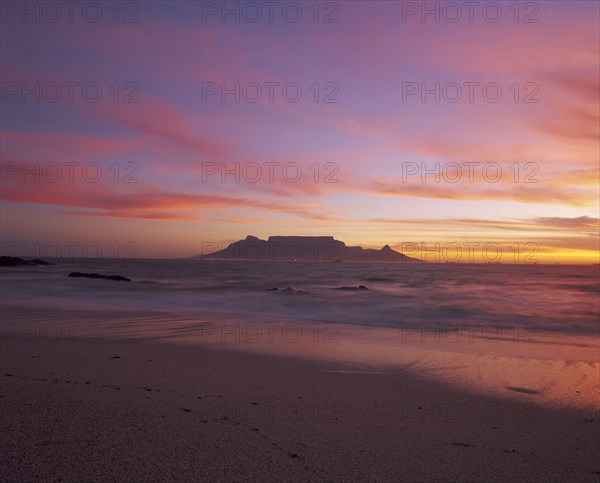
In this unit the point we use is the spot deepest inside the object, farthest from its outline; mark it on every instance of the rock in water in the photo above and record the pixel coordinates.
(19, 262)
(290, 291)
(12, 262)
(360, 287)
(118, 278)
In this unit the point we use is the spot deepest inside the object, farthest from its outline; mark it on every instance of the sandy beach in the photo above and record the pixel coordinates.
(138, 408)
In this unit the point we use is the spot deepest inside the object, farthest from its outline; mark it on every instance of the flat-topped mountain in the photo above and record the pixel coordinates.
(304, 249)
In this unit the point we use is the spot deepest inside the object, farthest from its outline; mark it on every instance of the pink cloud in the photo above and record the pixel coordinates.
(156, 118)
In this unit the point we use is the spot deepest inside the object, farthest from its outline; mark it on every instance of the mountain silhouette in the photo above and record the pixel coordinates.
(304, 249)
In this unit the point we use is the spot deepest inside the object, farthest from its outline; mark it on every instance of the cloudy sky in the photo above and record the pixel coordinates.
(176, 125)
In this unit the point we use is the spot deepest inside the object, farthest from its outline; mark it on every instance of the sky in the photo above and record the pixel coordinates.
(450, 131)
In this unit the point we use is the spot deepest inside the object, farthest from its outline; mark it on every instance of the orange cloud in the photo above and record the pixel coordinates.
(525, 193)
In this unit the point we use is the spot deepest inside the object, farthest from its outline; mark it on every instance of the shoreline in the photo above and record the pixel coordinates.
(544, 369)
(95, 410)
(161, 403)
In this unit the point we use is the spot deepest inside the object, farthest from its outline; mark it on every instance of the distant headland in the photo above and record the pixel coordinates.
(303, 249)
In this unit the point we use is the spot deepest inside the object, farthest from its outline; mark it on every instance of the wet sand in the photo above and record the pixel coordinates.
(133, 408)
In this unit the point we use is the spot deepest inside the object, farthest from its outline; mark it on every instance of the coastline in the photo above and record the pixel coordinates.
(529, 365)
(140, 408)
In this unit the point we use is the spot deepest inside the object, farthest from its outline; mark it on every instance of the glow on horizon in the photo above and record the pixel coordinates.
(365, 143)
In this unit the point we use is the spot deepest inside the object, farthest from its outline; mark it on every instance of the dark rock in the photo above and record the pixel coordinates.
(20, 262)
(12, 262)
(360, 287)
(291, 291)
(118, 278)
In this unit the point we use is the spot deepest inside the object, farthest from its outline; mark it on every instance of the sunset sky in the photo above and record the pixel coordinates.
(375, 141)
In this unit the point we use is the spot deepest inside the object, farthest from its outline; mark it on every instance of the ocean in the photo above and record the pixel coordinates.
(502, 298)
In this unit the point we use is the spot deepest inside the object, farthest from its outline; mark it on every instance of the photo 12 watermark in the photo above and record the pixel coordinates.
(469, 171)
(70, 251)
(465, 412)
(269, 92)
(51, 331)
(470, 332)
(470, 12)
(269, 172)
(69, 92)
(469, 92)
(68, 172)
(270, 12)
(472, 252)
(250, 332)
(69, 12)
(221, 409)
(254, 250)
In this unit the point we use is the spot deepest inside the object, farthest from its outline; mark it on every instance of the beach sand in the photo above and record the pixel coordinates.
(134, 408)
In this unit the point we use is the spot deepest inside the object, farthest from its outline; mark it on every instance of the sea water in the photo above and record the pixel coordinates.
(527, 297)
